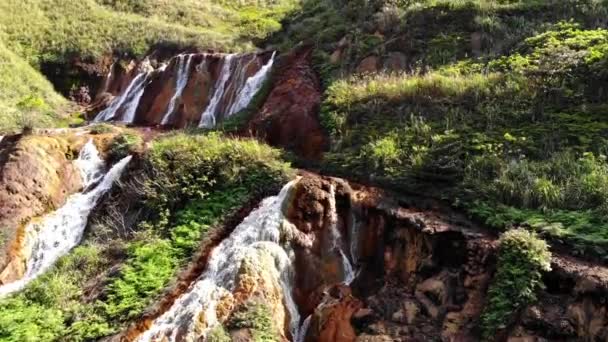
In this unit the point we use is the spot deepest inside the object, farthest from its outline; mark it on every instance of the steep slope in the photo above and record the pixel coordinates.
(27, 97)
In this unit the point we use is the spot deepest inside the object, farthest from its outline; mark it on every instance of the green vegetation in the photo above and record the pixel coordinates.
(27, 98)
(192, 184)
(429, 33)
(522, 258)
(123, 144)
(525, 131)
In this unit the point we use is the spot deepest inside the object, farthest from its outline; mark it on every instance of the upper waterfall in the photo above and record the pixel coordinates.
(57, 233)
(197, 89)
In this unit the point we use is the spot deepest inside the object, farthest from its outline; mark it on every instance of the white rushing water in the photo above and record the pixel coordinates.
(58, 232)
(303, 330)
(183, 68)
(129, 100)
(251, 87)
(347, 267)
(260, 233)
(208, 116)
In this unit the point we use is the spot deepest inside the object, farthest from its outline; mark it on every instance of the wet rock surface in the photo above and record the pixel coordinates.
(175, 92)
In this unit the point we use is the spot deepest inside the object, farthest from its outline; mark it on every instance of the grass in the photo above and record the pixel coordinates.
(430, 33)
(26, 95)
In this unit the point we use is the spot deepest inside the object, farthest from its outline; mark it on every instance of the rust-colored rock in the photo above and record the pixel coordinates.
(289, 116)
(332, 320)
(36, 176)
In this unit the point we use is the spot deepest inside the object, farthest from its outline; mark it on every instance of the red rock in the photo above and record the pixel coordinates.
(289, 116)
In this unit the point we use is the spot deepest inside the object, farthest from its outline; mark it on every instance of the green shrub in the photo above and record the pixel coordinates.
(150, 266)
(190, 167)
(522, 258)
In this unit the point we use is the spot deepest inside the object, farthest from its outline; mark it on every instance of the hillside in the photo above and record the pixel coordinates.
(304, 170)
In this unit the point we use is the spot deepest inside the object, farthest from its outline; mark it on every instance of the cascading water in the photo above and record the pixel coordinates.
(303, 330)
(208, 116)
(336, 240)
(183, 71)
(251, 87)
(58, 232)
(90, 164)
(259, 234)
(130, 99)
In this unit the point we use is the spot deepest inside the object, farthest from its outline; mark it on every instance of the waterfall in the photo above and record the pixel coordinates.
(260, 233)
(336, 238)
(130, 98)
(90, 164)
(303, 330)
(208, 116)
(183, 68)
(354, 234)
(58, 232)
(251, 87)
(108, 80)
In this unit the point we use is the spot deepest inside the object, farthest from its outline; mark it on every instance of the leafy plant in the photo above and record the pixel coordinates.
(522, 258)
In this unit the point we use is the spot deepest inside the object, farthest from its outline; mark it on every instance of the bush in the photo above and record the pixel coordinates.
(102, 128)
(522, 258)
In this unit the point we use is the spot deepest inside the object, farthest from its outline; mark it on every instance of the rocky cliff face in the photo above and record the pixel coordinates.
(289, 116)
(188, 90)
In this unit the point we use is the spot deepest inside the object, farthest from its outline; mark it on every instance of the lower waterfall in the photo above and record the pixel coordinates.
(262, 236)
(57, 233)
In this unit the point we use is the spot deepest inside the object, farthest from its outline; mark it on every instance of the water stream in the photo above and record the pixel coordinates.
(261, 236)
(57, 233)
(129, 99)
(209, 115)
(183, 73)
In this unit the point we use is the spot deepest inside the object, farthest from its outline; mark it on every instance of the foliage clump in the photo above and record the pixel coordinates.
(522, 258)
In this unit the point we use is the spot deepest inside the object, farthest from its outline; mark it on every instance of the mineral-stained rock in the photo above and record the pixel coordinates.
(36, 176)
(331, 322)
(289, 116)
